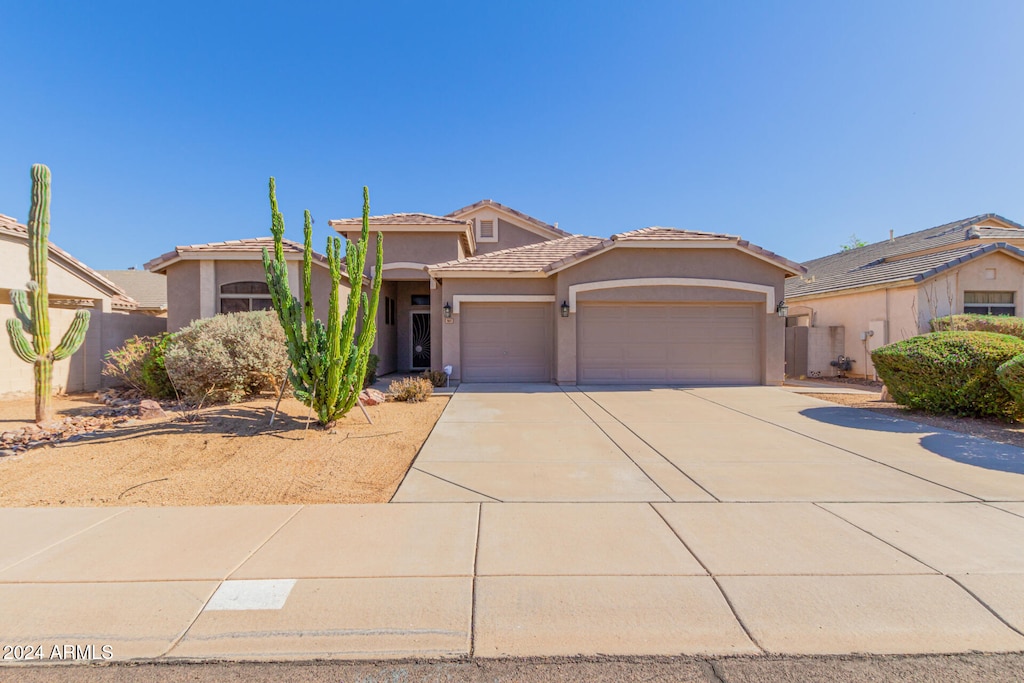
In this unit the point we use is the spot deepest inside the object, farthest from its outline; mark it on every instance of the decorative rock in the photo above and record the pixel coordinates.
(151, 410)
(372, 397)
(885, 394)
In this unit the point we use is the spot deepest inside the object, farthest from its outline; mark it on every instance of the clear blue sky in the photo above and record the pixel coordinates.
(793, 124)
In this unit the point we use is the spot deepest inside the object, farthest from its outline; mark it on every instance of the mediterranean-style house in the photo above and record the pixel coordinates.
(854, 301)
(114, 316)
(495, 295)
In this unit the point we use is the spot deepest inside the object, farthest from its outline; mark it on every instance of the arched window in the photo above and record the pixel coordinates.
(244, 296)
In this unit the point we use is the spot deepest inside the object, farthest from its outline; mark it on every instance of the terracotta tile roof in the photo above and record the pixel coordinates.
(401, 219)
(518, 214)
(530, 258)
(149, 289)
(660, 233)
(895, 260)
(555, 254)
(254, 245)
(119, 298)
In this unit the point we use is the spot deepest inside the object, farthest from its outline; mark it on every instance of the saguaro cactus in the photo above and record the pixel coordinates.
(32, 306)
(328, 362)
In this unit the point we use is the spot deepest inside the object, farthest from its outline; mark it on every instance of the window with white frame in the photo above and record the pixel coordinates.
(989, 303)
(236, 297)
(487, 230)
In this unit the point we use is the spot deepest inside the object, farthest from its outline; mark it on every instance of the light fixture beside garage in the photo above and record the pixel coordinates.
(782, 309)
(565, 309)
(447, 310)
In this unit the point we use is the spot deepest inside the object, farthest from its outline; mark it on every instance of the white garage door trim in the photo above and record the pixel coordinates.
(714, 343)
(767, 290)
(459, 299)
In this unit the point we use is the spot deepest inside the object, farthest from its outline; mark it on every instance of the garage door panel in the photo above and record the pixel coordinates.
(668, 343)
(505, 342)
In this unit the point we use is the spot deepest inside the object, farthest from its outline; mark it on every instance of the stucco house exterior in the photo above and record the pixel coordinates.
(72, 285)
(854, 301)
(226, 277)
(500, 296)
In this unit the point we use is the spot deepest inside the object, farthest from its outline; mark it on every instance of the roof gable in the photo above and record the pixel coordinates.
(518, 218)
(251, 248)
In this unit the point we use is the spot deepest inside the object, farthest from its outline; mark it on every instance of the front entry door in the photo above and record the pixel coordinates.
(421, 341)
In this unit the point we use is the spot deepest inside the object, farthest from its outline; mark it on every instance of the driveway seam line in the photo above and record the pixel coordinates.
(472, 599)
(220, 583)
(721, 590)
(616, 443)
(416, 457)
(992, 505)
(645, 442)
(479, 493)
(872, 535)
(840, 448)
(984, 604)
(66, 538)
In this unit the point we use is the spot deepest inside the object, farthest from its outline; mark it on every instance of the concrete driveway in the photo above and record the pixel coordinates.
(542, 443)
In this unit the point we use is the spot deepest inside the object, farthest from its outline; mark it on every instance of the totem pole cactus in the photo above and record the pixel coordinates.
(32, 307)
(328, 362)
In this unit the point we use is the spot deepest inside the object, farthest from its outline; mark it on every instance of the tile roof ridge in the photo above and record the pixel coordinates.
(508, 250)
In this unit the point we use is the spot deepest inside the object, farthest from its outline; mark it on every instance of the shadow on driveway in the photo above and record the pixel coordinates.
(970, 450)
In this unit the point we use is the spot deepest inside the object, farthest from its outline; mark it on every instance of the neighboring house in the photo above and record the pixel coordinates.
(227, 277)
(148, 289)
(852, 302)
(503, 297)
(72, 285)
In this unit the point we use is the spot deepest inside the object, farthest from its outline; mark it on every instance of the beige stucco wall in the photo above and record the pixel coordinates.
(62, 282)
(386, 343)
(509, 236)
(424, 247)
(714, 264)
(628, 264)
(185, 287)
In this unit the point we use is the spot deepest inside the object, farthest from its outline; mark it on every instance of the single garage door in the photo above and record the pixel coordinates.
(506, 342)
(668, 344)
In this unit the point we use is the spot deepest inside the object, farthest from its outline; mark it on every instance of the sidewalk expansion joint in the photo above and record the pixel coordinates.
(66, 538)
(448, 481)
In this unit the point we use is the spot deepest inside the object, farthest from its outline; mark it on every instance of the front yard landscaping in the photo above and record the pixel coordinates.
(227, 456)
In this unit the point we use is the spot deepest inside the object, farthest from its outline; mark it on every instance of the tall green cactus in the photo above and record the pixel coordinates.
(32, 307)
(328, 362)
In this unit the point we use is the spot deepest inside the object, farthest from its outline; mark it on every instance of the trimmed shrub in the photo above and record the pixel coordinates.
(1011, 376)
(950, 372)
(437, 378)
(970, 322)
(228, 357)
(411, 389)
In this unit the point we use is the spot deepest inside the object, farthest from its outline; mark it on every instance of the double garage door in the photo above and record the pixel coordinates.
(668, 344)
(634, 343)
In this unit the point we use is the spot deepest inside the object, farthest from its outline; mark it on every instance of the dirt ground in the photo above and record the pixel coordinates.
(995, 430)
(229, 456)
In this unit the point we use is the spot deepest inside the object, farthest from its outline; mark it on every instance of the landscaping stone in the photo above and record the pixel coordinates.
(151, 410)
(372, 397)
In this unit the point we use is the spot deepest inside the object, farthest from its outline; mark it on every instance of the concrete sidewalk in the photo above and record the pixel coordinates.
(488, 579)
(706, 522)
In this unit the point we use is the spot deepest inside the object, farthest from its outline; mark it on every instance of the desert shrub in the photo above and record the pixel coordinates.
(228, 357)
(411, 389)
(969, 322)
(436, 377)
(1011, 376)
(950, 372)
(155, 381)
(372, 361)
(139, 363)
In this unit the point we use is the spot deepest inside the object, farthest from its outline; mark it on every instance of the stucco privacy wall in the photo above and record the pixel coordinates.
(712, 264)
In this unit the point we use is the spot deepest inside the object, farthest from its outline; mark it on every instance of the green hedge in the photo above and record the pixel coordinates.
(1011, 376)
(950, 372)
(969, 322)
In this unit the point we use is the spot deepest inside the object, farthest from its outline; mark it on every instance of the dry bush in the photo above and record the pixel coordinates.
(411, 389)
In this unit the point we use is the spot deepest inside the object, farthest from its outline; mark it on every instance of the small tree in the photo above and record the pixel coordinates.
(853, 243)
(328, 362)
(32, 305)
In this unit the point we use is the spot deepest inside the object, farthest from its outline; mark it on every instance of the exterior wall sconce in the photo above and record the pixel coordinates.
(782, 309)
(565, 309)
(447, 310)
